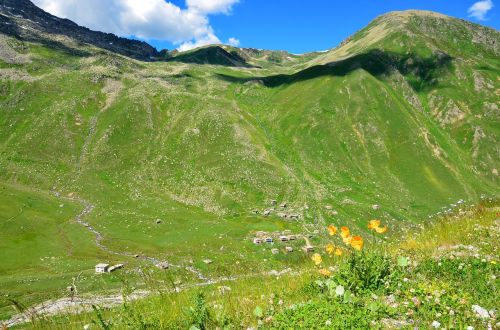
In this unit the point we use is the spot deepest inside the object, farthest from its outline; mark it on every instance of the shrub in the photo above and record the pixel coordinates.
(364, 271)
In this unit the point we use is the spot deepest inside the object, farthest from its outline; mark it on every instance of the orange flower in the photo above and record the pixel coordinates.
(317, 259)
(373, 224)
(357, 243)
(332, 230)
(325, 272)
(344, 232)
(338, 252)
(330, 248)
(381, 230)
(347, 240)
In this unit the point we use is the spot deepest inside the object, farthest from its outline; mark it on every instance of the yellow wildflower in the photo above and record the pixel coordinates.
(330, 248)
(325, 272)
(317, 259)
(381, 230)
(338, 252)
(344, 232)
(373, 224)
(357, 243)
(332, 230)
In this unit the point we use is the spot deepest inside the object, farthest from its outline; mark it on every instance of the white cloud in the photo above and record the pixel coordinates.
(233, 42)
(480, 9)
(208, 39)
(211, 6)
(146, 19)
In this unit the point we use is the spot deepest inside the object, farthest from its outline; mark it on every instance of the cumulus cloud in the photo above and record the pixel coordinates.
(211, 6)
(146, 19)
(208, 39)
(480, 9)
(233, 42)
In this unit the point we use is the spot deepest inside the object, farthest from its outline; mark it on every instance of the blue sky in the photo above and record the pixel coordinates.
(303, 26)
(292, 25)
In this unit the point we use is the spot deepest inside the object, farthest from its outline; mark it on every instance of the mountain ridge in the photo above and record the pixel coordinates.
(38, 20)
(35, 20)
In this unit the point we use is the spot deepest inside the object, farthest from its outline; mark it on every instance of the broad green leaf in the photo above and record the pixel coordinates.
(258, 312)
(403, 261)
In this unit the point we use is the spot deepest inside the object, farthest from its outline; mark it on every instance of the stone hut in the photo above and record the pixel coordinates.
(101, 268)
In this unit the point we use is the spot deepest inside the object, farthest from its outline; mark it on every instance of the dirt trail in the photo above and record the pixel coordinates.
(88, 208)
(83, 303)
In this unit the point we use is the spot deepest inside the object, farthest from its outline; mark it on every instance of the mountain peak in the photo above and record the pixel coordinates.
(414, 12)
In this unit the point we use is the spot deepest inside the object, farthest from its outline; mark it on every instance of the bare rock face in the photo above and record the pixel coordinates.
(25, 21)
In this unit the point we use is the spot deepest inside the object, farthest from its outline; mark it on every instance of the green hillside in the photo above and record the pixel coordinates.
(403, 115)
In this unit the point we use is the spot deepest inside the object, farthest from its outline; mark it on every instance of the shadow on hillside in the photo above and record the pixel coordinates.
(421, 72)
(214, 55)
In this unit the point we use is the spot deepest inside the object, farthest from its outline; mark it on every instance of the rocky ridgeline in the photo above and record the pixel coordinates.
(23, 20)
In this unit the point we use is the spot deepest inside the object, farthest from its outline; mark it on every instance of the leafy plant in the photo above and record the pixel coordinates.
(105, 325)
(364, 271)
(198, 314)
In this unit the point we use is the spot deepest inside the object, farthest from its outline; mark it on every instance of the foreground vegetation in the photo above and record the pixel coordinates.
(441, 275)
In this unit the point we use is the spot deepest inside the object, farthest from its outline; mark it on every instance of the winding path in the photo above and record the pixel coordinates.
(80, 304)
(88, 208)
(83, 303)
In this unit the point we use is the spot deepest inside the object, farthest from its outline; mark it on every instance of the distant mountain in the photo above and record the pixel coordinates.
(21, 18)
(215, 55)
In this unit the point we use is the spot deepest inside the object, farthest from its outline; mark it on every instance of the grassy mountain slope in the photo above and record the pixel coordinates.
(403, 115)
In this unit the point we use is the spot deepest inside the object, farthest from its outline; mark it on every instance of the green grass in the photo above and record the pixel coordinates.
(40, 246)
(201, 146)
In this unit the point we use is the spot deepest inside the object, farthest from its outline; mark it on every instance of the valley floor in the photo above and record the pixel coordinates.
(440, 275)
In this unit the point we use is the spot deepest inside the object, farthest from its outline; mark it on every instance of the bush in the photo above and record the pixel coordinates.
(364, 271)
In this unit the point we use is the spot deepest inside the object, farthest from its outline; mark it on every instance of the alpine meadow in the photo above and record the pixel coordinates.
(240, 188)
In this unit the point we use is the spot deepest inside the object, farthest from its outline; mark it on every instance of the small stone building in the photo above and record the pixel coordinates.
(257, 240)
(101, 268)
(308, 248)
(115, 267)
(163, 265)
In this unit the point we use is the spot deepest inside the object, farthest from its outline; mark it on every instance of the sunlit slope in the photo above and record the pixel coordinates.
(401, 120)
